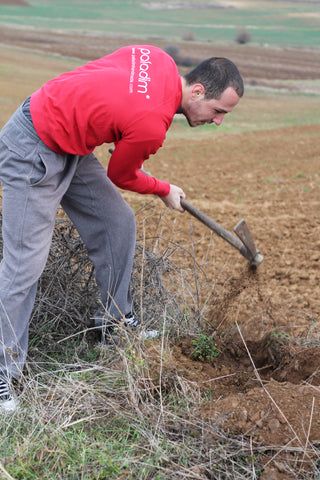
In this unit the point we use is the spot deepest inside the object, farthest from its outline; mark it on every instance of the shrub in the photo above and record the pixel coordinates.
(243, 36)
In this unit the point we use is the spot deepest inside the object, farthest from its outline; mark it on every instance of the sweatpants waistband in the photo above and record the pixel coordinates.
(26, 108)
(24, 123)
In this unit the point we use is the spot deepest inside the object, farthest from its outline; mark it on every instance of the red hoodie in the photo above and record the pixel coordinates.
(127, 98)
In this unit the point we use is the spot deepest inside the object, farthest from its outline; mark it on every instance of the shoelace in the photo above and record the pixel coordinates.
(5, 393)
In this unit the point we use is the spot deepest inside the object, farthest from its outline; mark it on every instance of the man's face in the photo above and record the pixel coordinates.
(199, 111)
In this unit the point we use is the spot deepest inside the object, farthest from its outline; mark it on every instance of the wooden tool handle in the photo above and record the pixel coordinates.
(218, 229)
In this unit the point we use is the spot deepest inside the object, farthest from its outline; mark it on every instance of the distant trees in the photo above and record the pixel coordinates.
(174, 52)
(243, 36)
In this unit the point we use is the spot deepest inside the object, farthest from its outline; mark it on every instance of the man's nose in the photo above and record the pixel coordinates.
(218, 119)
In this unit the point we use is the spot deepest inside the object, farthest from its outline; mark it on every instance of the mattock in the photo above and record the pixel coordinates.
(243, 242)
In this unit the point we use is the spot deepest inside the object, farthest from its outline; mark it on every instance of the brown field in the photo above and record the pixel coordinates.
(262, 66)
(265, 382)
(17, 3)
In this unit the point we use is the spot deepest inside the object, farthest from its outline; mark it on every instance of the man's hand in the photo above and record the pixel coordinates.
(172, 200)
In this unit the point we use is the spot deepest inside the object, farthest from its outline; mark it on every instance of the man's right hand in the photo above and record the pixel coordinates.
(172, 200)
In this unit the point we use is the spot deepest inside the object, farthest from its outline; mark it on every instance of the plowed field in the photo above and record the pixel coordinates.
(265, 383)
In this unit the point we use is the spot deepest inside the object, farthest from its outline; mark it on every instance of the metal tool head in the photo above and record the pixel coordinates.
(257, 259)
(243, 232)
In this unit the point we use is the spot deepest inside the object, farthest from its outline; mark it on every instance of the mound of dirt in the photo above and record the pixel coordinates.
(266, 390)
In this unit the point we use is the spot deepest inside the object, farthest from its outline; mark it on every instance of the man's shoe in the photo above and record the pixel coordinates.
(8, 404)
(130, 321)
(113, 331)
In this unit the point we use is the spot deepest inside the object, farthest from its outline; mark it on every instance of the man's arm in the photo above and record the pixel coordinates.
(124, 169)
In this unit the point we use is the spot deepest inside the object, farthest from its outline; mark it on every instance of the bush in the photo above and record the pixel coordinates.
(173, 51)
(243, 36)
(189, 37)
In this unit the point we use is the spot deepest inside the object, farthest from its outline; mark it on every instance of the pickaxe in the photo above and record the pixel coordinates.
(244, 243)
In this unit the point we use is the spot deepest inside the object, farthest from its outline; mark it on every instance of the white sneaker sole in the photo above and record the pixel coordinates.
(8, 406)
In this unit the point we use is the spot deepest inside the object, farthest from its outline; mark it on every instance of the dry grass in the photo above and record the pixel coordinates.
(94, 412)
(91, 412)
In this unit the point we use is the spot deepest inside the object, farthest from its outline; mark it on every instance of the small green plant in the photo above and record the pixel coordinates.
(280, 334)
(136, 359)
(205, 348)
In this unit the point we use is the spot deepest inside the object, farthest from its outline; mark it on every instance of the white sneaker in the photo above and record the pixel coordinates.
(130, 322)
(8, 404)
(111, 332)
(110, 329)
(148, 334)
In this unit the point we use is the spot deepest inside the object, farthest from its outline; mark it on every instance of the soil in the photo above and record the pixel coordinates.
(265, 382)
(262, 66)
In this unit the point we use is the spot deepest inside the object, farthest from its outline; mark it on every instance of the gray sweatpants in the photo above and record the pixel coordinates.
(35, 180)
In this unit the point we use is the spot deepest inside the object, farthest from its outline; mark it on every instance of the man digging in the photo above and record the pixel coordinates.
(128, 98)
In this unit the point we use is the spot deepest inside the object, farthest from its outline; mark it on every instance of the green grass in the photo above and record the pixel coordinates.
(274, 23)
(90, 449)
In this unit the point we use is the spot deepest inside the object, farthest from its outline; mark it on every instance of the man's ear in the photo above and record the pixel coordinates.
(197, 91)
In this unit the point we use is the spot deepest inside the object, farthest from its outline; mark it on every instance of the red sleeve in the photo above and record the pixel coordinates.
(124, 170)
(129, 155)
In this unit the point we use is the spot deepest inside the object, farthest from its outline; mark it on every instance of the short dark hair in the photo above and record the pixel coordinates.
(216, 74)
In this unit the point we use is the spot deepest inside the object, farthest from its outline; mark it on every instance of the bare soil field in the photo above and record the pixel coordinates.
(259, 66)
(17, 3)
(265, 383)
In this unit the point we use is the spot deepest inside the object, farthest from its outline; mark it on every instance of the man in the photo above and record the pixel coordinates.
(128, 98)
